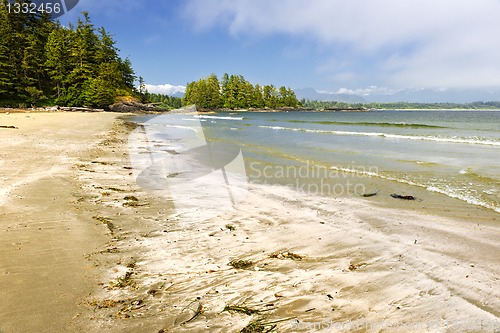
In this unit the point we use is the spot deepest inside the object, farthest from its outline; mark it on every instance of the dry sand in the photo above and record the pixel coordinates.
(85, 249)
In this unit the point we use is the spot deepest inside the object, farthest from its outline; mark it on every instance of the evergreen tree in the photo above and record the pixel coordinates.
(127, 73)
(258, 99)
(214, 100)
(270, 96)
(7, 73)
(34, 74)
(82, 48)
(101, 90)
(106, 51)
(40, 59)
(57, 55)
(236, 92)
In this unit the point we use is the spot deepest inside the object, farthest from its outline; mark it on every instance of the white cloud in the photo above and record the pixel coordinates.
(411, 43)
(165, 89)
(372, 90)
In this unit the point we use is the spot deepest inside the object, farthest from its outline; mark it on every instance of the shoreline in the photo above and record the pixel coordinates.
(147, 267)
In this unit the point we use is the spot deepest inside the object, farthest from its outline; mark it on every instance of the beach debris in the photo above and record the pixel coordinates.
(259, 326)
(115, 189)
(106, 221)
(242, 309)
(309, 310)
(368, 195)
(230, 227)
(101, 163)
(132, 264)
(110, 250)
(132, 201)
(123, 313)
(403, 197)
(188, 313)
(9, 127)
(353, 267)
(104, 304)
(241, 264)
(173, 175)
(152, 292)
(330, 297)
(123, 281)
(286, 255)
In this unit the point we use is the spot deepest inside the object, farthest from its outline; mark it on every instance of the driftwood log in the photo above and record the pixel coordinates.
(403, 197)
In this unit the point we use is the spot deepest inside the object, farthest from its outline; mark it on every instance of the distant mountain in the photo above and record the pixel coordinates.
(405, 95)
(313, 94)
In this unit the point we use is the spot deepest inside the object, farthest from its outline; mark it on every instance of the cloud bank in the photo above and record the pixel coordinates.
(165, 89)
(411, 43)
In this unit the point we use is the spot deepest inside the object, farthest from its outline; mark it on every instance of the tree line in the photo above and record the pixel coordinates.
(322, 105)
(163, 101)
(235, 92)
(43, 62)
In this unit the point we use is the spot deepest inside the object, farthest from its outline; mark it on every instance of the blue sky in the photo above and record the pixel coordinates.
(350, 46)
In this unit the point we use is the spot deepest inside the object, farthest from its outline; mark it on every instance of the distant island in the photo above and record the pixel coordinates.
(235, 92)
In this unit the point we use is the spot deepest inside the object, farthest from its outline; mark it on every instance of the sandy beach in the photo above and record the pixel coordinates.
(85, 249)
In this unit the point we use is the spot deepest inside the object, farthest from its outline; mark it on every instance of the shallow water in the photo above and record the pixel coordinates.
(455, 153)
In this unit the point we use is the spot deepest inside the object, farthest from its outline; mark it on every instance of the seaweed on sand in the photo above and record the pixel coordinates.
(241, 264)
(259, 326)
(286, 255)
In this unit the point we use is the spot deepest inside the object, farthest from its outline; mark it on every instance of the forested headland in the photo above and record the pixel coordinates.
(235, 92)
(326, 105)
(45, 63)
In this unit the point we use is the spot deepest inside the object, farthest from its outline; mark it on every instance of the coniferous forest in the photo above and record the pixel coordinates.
(45, 63)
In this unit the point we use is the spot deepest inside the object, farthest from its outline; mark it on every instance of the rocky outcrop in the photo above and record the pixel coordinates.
(132, 106)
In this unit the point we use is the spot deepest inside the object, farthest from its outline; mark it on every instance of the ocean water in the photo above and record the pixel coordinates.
(455, 153)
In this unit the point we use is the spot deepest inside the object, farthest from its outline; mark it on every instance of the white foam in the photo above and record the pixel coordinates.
(468, 199)
(217, 117)
(450, 193)
(392, 136)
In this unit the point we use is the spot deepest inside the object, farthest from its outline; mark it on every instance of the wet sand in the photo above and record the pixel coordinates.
(45, 234)
(86, 249)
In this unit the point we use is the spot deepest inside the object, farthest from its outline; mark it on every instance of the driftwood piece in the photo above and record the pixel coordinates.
(368, 195)
(402, 197)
